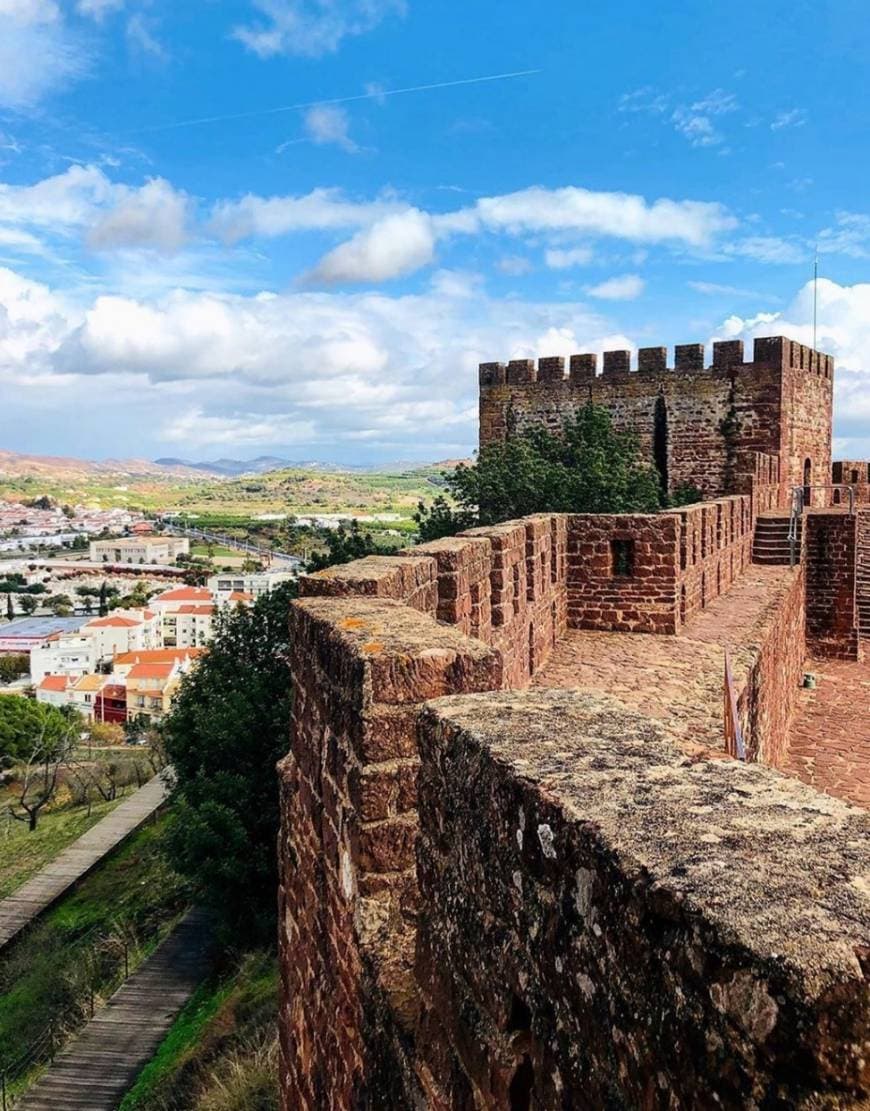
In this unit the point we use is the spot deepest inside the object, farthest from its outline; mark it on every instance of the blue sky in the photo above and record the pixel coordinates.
(320, 281)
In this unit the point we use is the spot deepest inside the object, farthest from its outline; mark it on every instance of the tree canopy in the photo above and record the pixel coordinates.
(589, 467)
(228, 728)
(24, 723)
(343, 544)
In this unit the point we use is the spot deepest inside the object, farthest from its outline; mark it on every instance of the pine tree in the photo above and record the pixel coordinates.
(104, 599)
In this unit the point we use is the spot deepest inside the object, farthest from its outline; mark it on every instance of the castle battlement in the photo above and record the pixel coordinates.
(772, 352)
(693, 421)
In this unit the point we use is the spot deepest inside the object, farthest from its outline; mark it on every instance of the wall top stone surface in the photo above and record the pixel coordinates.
(767, 863)
(409, 655)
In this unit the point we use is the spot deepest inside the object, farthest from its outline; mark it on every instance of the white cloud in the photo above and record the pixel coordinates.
(621, 215)
(141, 38)
(321, 209)
(850, 236)
(698, 129)
(717, 103)
(768, 248)
(627, 287)
(21, 241)
(312, 27)
(515, 266)
(693, 120)
(395, 246)
(327, 123)
(155, 215)
(109, 214)
(645, 100)
(559, 259)
(30, 11)
(714, 289)
(796, 117)
(38, 52)
(843, 330)
(392, 237)
(195, 428)
(395, 375)
(98, 9)
(66, 200)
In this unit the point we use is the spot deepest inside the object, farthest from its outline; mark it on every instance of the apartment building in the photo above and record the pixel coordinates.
(84, 692)
(124, 631)
(187, 615)
(52, 690)
(150, 689)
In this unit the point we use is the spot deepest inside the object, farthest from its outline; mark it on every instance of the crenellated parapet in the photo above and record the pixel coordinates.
(774, 352)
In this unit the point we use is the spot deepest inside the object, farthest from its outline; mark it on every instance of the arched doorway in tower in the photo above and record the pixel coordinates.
(808, 481)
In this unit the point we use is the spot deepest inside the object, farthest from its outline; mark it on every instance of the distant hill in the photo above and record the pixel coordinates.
(19, 465)
(263, 464)
(60, 469)
(233, 467)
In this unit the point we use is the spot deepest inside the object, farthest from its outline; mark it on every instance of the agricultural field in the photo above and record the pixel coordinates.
(293, 491)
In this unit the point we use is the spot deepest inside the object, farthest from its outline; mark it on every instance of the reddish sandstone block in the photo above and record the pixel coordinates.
(388, 846)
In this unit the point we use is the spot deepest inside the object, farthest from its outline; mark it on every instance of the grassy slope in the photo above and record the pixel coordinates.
(23, 853)
(46, 979)
(220, 1054)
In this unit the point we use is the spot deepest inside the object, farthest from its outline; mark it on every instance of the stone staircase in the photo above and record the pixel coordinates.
(863, 599)
(770, 543)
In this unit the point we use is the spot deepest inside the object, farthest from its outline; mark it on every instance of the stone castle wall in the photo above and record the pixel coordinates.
(831, 556)
(855, 474)
(405, 885)
(699, 424)
(361, 668)
(596, 929)
(680, 561)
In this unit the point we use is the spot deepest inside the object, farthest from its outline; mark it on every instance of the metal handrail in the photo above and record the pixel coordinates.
(798, 505)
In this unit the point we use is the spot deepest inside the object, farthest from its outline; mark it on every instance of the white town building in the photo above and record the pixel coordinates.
(253, 584)
(140, 549)
(70, 654)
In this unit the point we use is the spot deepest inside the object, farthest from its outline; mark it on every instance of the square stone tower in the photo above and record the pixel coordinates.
(708, 427)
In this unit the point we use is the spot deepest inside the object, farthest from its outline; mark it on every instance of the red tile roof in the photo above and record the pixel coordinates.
(113, 623)
(157, 655)
(203, 611)
(150, 671)
(54, 683)
(185, 594)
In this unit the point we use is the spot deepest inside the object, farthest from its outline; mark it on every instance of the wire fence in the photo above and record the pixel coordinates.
(109, 952)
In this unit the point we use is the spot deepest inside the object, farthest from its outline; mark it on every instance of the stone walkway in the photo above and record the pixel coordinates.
(829, 742)
(675, 679)
(56, 878)
(95, 1071)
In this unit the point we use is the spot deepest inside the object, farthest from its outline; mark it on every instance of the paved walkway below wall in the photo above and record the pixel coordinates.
(69, 866)
(95, 1071)
(829, 742)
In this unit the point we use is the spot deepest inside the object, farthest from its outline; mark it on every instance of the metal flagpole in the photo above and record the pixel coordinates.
(815, 298)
